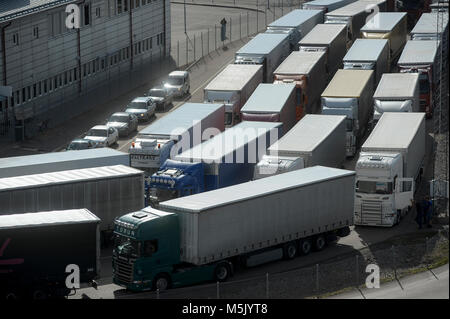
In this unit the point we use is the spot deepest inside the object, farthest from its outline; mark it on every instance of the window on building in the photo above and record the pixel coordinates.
(125, 5)
(29, 92)
(36, 32)
(151, 42)
(128, 52)
(50, 85)
(138, 3)
(60, 79)
(34, 90)
(98, 12)
(119, 6)
(84, 70)
(40, 88)
(55, 82)
(75, 74)
(103, 64)
(87, 14)
(16, 38)
(139, 48)
(65, 78)
(17, 97)
(24, 92)
(56, 24)
(45, 86)
(112, 7)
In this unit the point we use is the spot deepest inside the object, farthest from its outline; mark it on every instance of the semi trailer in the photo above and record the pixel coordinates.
(204, 237)
(315, 140)
(38, 247)
(422, 57)
(266, 49)
(433, 26)
(61, 161)
(325, 5)
(367, 54)
(272, 103)
(107, 191)
(296, 24)
(225, 159)
(232, 87)
(388, 166)
(328, 38)
(396, 92)
(391, 26)
(350, 93)
(305, 70)
(179, 130)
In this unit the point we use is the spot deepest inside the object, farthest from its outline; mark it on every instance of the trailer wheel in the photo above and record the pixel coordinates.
(305, 246)
(161, 282)
(39, 294)
(319, 243)
(289, 250)
(11, 296)
(222, 272)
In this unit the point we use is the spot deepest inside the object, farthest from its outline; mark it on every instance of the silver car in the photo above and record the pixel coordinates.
(178, 83)
(162, 97)
(143, 107)
(124, 122)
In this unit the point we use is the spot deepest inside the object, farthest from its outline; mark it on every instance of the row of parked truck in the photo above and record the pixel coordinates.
(278, 152)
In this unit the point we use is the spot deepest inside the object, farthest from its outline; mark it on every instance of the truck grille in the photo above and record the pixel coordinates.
(371, 212)
(123, 270)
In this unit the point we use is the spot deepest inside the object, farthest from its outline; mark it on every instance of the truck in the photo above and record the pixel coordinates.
(37, 247)
(297, 24)
(204, 237)
(396, 92)
(232, 87)
(61, 161)
(315, 140)
(388, 166)
(325, 5)
(328, 38)
(107, 191)
(171, 134)
(225, 159)
(272, 103)
(305, 70)
(350, 93)
(414, 9)
(433, 26)
(367, 54)
(266, 49)
(421, 57)
(354, 16)
(391, 26)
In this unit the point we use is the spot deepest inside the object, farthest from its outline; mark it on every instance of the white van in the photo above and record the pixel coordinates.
(178, 83)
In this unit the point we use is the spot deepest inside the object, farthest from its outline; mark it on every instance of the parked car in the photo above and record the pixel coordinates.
(178, 83)
(162, 97)
(143, 107)
(81, 144)
(103, 135)
(124, 122)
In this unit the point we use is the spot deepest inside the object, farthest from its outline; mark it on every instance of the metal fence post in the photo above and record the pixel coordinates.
(357, 271)
(217, 291)
(178, 53)
(194, 48)
(393, 261)
(201, 38)
(187, 54)
(247, 25)
(267, 285)
(257, 18)
(215, 37)
(282, 7)
(317, 277)
(231, 34)
(208, 43)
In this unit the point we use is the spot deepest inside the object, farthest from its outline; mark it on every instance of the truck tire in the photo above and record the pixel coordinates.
(161, 282)
(11, 296)
(319, 242)
(39, 294)
(305, 246)
(289, 250)
(343, 232)
(222, 272)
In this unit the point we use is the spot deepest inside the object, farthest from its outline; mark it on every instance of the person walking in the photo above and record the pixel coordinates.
(427, 211)
(419, 213)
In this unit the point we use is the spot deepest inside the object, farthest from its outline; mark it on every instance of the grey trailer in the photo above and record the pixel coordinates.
(331, 38)
(108, 192)
(297, 24)
(266, 49)
(326, 5)
(369, 55)
(61, 161)
(391, 26)
(265, 213)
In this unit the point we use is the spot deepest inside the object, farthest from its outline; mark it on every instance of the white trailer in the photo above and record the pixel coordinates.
(281, 209)
(396, 92)
(325, 5)
(108, 192)
(266, 49)
(390, 161)
(315, 140)
(330, 38)
(61, 161)
(232, 87)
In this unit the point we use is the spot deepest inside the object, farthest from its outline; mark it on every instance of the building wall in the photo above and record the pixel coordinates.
(42, 62)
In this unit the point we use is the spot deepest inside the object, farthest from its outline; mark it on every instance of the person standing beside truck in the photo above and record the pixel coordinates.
(427, 207)
(419, 213)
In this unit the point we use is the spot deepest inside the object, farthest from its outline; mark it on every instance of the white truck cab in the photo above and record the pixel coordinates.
(272, 165)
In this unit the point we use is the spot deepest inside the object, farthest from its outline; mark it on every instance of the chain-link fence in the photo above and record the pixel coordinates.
(255, 17)
(395, 259)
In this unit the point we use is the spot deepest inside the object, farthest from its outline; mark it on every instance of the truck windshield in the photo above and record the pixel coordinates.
(424, 85)
(158, 195)
(175, 81)
(370, 187)
(349, 125)
(228, 118)
(126, 246)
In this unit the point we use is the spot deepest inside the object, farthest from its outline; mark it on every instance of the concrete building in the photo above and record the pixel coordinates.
(56, 72)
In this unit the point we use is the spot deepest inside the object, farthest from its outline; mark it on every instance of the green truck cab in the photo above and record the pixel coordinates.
(146, 253)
